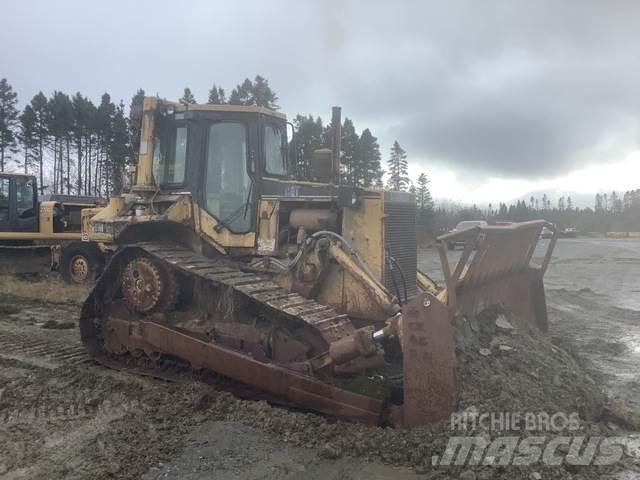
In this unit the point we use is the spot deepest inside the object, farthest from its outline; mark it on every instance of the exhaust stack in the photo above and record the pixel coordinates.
(144, 181)
(336, 138)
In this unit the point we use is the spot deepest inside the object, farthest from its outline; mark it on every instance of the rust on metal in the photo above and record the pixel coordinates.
(428, 361)
(496, 267)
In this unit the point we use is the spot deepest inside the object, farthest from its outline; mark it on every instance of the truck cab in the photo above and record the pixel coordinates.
(18, 203)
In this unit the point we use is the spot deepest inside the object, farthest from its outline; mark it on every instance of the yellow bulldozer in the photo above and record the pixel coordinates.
(305, 290)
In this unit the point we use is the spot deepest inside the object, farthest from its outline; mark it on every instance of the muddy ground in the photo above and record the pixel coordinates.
(61, 416)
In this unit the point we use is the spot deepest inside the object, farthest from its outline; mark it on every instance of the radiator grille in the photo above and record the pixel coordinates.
(400, 242)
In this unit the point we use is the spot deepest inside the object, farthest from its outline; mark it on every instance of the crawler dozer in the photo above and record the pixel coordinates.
(305, 290)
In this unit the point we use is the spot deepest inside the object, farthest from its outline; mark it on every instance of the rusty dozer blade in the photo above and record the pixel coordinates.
(495, 267)
(428, 362)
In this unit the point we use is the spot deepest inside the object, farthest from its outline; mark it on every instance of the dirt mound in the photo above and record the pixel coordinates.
(505, 365)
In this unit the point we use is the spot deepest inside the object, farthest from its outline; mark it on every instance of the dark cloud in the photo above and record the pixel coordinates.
(514, 89)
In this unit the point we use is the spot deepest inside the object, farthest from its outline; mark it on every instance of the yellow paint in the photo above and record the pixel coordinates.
(181, 211)
(10, 174)
(363, 228)
(46, 217)
(622, 234)
(225, 237)
(268, 216)
(144, 173)
(39, 236)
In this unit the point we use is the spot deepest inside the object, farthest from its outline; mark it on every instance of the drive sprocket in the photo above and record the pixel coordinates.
(148, 286)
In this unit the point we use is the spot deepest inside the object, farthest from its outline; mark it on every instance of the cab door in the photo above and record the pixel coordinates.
(24, 205)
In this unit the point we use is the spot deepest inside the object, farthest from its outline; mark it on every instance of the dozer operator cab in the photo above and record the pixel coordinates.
(220, 157)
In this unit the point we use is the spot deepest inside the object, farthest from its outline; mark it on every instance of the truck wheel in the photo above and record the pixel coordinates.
(81, 263)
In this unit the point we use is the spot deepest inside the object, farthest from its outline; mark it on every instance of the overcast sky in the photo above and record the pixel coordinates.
(492, 99)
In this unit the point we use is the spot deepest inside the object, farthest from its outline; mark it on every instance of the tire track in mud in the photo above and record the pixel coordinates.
(606, 335)
(38, 347)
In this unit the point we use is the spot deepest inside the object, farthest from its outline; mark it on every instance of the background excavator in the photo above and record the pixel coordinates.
(306, 290)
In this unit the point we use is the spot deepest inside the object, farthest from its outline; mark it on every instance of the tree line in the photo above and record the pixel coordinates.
(77, 147)
(71, 144)
(610, 212)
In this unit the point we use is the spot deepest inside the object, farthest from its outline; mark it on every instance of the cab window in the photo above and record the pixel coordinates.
(274, 151)
(228, 185)
(25, 200)
(4, 198)
(170, 156)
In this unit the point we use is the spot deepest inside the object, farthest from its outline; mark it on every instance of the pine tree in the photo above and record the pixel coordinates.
(351, 170)
(308, 137)
(187, 97)
(9, 122)
(598, 205)
(83, 111)
(262, 95)
(257, 93)
(118, 150)
(135, 118)
(242, 94)
(398, 168)
(368, 159)
(216, 96)
(104, 132)
(424, 199)
(39, 105)
(561, 203)
(27, 136)
(60, 125)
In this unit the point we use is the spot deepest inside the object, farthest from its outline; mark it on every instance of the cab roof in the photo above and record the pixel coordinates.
(9, 174)
(179, 107)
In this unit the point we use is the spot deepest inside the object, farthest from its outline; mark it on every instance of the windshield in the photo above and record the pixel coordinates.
(274, 152)
(170, 155)
(228, 185)
(24, 196)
